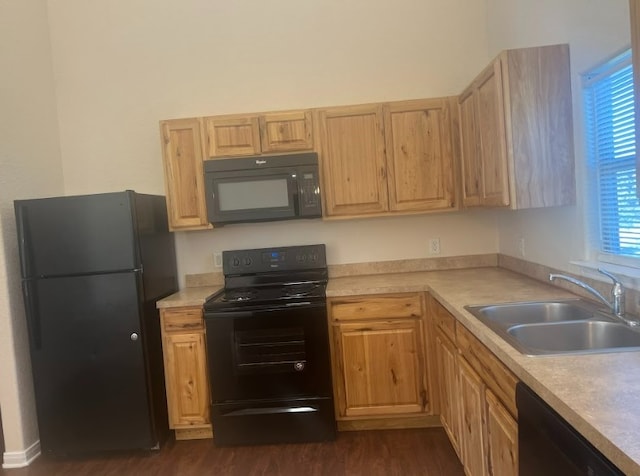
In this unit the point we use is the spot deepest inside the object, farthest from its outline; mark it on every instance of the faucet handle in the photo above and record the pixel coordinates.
(616, 281)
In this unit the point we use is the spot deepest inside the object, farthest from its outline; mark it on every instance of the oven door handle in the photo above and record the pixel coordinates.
(271, 411)
(212, 314)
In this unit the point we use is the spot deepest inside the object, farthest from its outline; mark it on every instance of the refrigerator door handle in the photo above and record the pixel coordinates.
(33, 316)
(21, 219)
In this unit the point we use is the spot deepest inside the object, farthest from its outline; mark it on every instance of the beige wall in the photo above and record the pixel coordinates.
(30, 166)
(123, 65)
(594, 30)
(119, 66)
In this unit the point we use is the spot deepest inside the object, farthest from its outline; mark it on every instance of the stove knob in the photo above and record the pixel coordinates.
(301, 258)
(247, 261)
(235, 261)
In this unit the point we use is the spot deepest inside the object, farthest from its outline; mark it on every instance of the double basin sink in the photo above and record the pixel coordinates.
(572, 326)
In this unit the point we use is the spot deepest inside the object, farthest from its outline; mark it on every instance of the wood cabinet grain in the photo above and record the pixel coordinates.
(421, 141)
(353, 161)
(182, 153)
(185, 367)
(516, 121)
(477, 398)
(380, 357)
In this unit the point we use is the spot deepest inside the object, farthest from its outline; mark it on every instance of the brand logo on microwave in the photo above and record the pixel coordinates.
(260, 162)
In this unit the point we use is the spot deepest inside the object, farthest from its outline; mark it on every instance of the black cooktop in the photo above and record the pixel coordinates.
(267, 277)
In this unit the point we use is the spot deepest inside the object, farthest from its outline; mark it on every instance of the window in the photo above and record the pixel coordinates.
(610, 129)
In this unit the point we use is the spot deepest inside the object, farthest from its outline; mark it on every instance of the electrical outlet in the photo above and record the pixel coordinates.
(521, 247)
(217, 259)
(434, 246)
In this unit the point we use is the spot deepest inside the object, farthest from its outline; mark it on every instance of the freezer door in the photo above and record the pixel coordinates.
(76, 235)
(88, 360)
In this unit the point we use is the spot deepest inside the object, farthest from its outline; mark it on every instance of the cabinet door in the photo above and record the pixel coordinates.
(471, 154)
(182, 147)
(381, 368)
(449, 389)
(473, 440)
(286, 131)
(492, 136)
(185, 366)
(232, 136)
(420, 155)
(187, 389)
(353, 160)
(502, 436)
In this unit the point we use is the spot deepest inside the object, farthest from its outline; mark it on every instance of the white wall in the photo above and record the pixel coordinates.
(30, 166)
(123, 65)
(595, 30)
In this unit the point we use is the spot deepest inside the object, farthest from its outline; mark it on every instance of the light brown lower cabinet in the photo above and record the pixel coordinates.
(477, 399)
(379, 361)
(447, 362)
(185, 369)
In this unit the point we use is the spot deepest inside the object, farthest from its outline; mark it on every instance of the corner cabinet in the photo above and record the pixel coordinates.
(478, 409)
(390, 157)
(516, 127)
(379, 358)
(185, 368)
(182, 153)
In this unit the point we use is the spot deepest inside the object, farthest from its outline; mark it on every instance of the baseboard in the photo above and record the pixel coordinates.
(20, 459)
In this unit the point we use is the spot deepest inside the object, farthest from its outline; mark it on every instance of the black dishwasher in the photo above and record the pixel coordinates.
(550, 446)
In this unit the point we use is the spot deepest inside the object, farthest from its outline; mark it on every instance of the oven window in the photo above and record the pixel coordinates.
(253, 194)
(270, 350)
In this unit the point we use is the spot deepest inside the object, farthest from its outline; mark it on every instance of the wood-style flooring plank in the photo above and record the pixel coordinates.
(425, 452)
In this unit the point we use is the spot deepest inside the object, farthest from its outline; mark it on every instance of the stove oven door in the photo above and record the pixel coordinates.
(270, 376)
(271, 353)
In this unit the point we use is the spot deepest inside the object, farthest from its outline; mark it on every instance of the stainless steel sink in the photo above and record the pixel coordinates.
(558, 327)
(576, 336)
(537, 312)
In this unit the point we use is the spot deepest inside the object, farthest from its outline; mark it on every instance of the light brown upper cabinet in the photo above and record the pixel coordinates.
(354, 168)
(232, 135)
(420, 154)
(516, 127)
(254, 134)
(393, 157)
(634, 10)
(286, 131)
(182, 152)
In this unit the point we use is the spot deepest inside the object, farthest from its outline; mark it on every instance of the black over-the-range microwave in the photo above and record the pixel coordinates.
(262, 188)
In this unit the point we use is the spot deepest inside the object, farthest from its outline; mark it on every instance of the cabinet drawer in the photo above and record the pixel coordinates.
(185, 319)
(500, 380)
(443, 320)
(383, 306)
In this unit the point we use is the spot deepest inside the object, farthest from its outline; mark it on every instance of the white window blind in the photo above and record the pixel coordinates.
(611, 148)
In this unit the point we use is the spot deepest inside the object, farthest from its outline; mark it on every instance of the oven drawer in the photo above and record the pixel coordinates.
(273, 421)
(380, 306)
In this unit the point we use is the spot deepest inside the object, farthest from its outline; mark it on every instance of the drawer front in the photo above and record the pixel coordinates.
(497, 377)
(443, 320)
(183, 319)
(385, 306)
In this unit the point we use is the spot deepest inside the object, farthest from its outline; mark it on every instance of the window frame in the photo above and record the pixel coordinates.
(607, 68)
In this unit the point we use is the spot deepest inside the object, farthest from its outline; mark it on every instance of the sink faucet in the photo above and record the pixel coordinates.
(616, 305)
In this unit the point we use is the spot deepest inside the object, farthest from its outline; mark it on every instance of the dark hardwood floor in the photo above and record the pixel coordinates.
(425, 452)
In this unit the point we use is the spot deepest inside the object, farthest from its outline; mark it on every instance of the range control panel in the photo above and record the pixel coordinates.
(262, 260)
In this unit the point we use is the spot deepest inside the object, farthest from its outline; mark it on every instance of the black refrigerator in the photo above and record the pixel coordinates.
(93, 267)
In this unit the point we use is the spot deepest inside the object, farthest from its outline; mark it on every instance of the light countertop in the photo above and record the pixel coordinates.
(599, 394)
